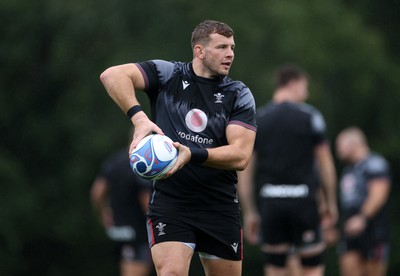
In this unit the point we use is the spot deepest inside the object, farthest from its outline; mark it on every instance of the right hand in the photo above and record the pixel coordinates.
(251, 227)
(143, 127)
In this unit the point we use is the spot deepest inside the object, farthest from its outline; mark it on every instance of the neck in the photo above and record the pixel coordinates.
(284, 95)
(200, 70)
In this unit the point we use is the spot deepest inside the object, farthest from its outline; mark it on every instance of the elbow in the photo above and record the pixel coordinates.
(242, 163)
(107, 76)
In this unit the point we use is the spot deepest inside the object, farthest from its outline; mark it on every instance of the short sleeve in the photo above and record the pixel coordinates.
(155, 73)
(377, 167)
(244, 112)
(318, 127)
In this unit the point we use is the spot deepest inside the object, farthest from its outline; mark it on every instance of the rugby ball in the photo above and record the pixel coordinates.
(153, 156)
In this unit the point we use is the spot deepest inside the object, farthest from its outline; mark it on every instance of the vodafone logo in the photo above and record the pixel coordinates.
(196, 120)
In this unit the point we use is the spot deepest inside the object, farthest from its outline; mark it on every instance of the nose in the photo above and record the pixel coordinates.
(230, 53)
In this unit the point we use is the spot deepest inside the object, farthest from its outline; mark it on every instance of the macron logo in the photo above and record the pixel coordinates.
(235, 246)
(185, 84)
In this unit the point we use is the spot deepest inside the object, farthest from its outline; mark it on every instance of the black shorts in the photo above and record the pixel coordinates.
(130, 251)
(216, 233)
(293, 221)
(369, 248)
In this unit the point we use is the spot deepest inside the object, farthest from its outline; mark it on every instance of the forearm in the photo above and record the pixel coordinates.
(328, 179)
(120, 87)
(377, 196)
(236, 154)
(246, 188)
(227, 158)
(327, 173)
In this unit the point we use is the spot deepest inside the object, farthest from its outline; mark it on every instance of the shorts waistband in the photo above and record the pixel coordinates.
(269, 190)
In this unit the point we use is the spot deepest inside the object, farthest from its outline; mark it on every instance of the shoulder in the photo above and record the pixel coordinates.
(376, 163)
(307, 108)
(234, 85)
(317, 120)
(242, 91)
(265, 109)
(166, 69)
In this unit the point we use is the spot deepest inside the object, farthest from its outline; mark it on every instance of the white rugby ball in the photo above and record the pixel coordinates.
(153, 156)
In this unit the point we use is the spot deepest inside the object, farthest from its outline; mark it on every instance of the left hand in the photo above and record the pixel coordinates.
(329, 216)
(184, 157)
(355, 225)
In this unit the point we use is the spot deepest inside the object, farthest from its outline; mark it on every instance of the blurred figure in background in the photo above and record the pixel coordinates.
(121, 198)
(290, 141)
(364, 191)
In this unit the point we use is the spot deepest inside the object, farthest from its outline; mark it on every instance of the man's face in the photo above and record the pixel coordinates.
(301, 89)
(344, 148)
(218, 55)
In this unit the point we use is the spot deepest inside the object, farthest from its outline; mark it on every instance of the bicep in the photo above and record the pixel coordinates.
(99, 189)
(242, 138)
(379, 188)
(322, 153)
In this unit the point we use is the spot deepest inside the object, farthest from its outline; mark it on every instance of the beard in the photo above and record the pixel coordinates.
(213, 68)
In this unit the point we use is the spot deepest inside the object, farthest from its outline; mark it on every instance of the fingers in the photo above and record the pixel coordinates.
(183, 158)
(142, 129)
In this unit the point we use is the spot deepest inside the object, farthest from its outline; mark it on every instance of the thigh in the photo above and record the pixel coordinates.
(171, 258)
(377, 259)
(351, 264)
(221, 267)
(133, 268)
(219, 234)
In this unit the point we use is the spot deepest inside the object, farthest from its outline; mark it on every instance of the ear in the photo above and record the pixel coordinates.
(198, 51)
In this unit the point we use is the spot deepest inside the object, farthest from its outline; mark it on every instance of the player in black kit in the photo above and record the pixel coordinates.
(212, 121)
(121, 199)
(290, 142)
(364, 192)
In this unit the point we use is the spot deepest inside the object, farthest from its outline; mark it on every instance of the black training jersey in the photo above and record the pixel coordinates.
(195, 112)
(354, 186)
(286, 138)
(124, 188)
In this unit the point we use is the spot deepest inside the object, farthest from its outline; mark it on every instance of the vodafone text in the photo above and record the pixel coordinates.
(195, 138)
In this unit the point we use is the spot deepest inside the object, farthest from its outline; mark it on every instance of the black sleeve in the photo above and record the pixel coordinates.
(377, 167)
(318, 127)
(244, 113)
(150, 76)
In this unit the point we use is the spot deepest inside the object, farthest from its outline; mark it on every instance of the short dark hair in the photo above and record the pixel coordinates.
(203, 31)
(287, 73)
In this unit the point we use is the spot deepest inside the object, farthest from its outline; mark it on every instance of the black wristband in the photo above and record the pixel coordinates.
(133, 110)
(199, 155)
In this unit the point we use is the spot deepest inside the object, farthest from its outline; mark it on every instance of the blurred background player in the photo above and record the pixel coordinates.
(121, 198)
(364, 191)
(290, 141)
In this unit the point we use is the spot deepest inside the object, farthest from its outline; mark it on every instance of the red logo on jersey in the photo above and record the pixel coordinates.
(196, 120)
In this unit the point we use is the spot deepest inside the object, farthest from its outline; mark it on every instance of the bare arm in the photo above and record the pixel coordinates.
(378, 194)
(234, 156)
(99, 198)
(246, 187)
(251, 217)
(144, 200)
(327, 175)
(121, 83)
